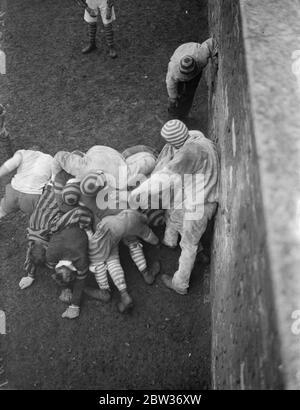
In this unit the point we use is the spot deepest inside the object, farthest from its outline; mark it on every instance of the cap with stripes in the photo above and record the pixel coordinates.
(92, 183)
(187, 65)
(175, 133)
(71, 193)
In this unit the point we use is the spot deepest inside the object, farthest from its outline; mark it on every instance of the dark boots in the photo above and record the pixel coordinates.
(92, 30)
(149, 274)
(109, 36)
(126, 302)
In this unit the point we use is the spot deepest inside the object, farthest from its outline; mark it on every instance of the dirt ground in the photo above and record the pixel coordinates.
(62, 99)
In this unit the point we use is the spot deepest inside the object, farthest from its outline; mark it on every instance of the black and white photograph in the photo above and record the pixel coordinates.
(149, 198)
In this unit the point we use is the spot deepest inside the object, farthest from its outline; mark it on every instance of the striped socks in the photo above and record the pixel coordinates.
(116, 273)
(109, 34)
(92, 30)
(101, 275)
(137, 254)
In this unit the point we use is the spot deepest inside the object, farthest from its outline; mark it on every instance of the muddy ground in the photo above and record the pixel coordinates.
(63, 100)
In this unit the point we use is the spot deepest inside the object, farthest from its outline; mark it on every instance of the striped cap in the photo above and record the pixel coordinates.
(187, 65)
(92, 183)
(71, 193)
(175, 133)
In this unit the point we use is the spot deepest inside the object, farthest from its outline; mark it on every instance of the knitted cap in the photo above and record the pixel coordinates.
(92, 183)
(187, 65)
(71, 193)
(175, 133)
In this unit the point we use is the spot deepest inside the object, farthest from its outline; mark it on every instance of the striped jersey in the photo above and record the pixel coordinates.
(47, 219)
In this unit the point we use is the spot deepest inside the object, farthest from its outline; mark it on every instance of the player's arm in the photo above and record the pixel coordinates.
(31, 263)
(172, 89)
(11, 164)
(206, 51)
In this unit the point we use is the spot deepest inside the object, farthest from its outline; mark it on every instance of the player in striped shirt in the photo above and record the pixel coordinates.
(45, 220)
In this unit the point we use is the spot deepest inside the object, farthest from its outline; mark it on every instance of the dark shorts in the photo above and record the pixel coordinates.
(14, 200)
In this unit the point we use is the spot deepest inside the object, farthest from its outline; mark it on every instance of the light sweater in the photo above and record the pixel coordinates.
(200, 53)
(33, 171)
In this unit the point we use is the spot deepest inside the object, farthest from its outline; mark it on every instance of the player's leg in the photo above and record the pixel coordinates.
(171, 232)
(192, 232)
(28, 202)
(117, 274)
(108, 16)
(103, 293)
(90, 17)
(138, 257)
(187, 95)
(10, 202)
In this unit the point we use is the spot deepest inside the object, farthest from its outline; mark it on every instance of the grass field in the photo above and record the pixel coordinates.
(61, 99)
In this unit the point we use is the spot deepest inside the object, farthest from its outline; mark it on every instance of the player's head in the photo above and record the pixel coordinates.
(175, 133)
(92, 183)
(187, 65)
(71, 192)
(64, 273)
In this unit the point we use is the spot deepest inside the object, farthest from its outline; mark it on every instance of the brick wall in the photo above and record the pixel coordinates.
(245, 352)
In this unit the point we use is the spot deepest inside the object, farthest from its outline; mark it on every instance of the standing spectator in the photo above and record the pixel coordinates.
(183, 76)
(106, 10)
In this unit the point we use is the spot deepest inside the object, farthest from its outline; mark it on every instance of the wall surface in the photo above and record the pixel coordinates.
(255, 119)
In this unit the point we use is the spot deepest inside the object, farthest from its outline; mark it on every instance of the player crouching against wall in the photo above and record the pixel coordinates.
(187, 168)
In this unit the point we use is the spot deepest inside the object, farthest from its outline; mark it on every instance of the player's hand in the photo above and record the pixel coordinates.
(72, 312)
(66, 296)
(26, 282)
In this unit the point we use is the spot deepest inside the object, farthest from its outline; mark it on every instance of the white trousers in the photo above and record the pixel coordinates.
(191, 232)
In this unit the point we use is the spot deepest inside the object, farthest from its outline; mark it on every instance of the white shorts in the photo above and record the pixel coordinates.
(98, 6)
